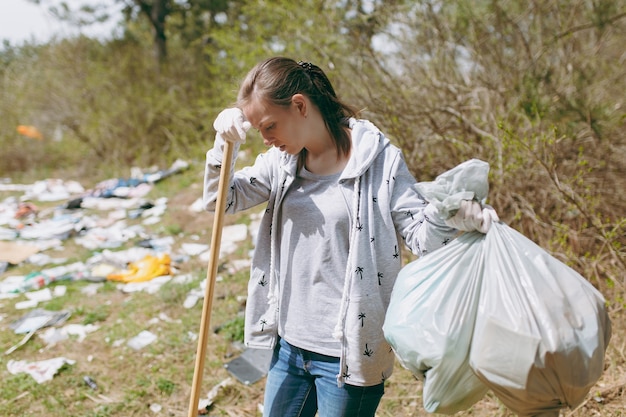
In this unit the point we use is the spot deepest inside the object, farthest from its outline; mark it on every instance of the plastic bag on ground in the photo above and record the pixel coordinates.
(143, 270)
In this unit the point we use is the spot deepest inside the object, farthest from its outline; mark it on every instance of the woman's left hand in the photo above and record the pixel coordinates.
(472, 216)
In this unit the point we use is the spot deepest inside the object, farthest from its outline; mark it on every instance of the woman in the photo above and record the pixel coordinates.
(340, 204)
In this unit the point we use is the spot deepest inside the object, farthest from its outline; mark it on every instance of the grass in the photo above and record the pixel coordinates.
(129, 382)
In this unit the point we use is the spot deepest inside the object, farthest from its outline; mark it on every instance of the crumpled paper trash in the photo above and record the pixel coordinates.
(41, 371)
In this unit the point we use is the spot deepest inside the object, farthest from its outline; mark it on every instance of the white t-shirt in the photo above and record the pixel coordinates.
(314, 241)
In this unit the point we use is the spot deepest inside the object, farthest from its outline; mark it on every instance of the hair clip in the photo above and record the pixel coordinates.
(306, 65)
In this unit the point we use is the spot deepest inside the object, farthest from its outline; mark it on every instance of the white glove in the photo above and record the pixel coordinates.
(472, 216)
(232, 125)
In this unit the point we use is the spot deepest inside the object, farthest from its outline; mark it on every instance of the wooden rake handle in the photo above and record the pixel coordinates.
(216, 237)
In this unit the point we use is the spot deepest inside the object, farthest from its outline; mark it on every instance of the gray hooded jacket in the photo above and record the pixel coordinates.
(387, 213)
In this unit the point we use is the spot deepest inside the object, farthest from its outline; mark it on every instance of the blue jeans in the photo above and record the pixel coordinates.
(300, 382)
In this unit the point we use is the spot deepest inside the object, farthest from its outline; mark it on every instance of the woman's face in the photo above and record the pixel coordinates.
(280, 126)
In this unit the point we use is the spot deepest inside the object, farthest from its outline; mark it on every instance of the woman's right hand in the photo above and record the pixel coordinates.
(231, 125)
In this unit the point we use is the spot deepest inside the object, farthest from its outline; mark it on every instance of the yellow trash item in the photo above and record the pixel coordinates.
(144, 270)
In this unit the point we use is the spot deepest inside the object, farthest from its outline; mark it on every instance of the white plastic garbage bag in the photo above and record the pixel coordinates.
(495, 312)
(430, 323)
(541, 330)
(430, 318)
(466, 181)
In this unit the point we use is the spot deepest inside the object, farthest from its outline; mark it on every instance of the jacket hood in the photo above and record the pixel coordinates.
(367, 142)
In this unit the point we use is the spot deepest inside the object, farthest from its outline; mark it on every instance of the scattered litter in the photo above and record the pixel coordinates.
(91, 289)
(239, 265)
(22, 395)
(40, 296)
(28, 231)
(107, 204)
(139, 183)
(54, 335)
(164, 317)
(7, 186)
(29, 131)
(20, 344)
(103, 269)
(90, 382)
(194, 249)
(61, 228)
(182, 279)
(197, 206)
(7, 234)
(117, 343)
(153, 215)
(41, 371)
(235, 232)
(52, 190)
(163, 244)
(110, 237)
(150, 287)
(33, 321)
(231, 236)
(25, 305)
(193, 297)
(205, 403)
(16, 252)
(39, 279)
(142, 340)
(250, 366)
(144, 270)
(100, 400)
(37, 319)
(45, 244)
(178, 166)
(155, 408)
(42, 259)
(25, 210)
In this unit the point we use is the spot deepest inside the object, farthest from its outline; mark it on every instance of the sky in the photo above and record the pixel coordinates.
(21, 20)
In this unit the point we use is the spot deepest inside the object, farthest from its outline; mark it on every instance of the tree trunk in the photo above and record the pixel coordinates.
(156, 11)
(158, 15)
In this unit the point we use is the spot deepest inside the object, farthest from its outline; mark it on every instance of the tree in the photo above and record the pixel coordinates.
(534, 88)
(194, 14)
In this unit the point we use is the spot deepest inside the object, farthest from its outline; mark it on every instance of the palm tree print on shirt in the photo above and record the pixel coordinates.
(359, 271)
(368, 352)
(359, 225)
